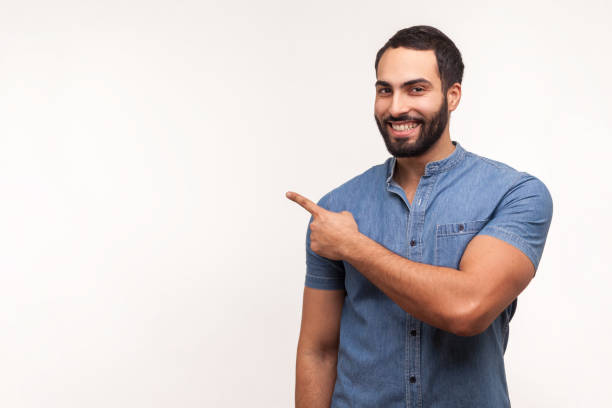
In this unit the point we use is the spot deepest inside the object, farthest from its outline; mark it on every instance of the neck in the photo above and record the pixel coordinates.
(410, 169)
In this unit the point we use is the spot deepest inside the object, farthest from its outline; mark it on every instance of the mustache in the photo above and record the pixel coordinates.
(402, 118)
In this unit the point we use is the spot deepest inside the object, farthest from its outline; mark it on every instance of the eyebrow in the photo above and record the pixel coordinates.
(405, 84)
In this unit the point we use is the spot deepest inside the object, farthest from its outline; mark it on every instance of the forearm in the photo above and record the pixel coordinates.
(315, 378)
(442, 297)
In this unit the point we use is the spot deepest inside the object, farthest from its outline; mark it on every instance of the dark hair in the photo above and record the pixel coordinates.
(448, 57)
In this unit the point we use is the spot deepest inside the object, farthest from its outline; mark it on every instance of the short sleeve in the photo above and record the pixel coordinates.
(322, 273)
(523, 217)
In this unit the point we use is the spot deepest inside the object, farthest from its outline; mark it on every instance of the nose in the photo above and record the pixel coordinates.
(401, 104)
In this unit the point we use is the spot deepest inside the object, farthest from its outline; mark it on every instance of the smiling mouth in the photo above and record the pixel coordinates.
(404, 129)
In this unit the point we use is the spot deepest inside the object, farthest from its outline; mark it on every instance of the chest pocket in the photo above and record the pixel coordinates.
(452, 239)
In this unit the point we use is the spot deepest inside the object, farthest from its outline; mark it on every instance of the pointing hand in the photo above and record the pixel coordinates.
(330, 232)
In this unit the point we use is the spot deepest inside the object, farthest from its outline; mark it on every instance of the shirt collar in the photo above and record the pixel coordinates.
(433, 167)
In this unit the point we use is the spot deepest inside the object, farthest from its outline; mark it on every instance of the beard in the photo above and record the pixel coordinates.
(429, 133)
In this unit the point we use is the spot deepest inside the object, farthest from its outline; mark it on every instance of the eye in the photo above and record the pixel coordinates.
(384, 91)
(418, 89)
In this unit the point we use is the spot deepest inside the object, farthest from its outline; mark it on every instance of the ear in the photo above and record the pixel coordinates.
(453, 96)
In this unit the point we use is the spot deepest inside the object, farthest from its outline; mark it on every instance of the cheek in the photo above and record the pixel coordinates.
(380, 107)
(428, 110)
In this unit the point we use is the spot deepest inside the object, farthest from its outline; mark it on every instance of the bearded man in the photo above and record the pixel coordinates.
(414, 266)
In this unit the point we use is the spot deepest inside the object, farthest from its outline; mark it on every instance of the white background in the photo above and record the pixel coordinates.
(148, 255)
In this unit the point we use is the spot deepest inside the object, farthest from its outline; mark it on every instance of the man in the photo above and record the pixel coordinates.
(414, 266)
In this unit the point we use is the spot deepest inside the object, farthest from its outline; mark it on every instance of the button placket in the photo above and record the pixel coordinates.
(414, 250)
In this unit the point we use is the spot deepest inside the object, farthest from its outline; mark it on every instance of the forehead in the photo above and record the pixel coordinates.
(398, 65)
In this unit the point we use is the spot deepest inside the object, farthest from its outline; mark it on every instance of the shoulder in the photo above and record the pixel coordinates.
(513, 180)
(515, 189)
(522, 206)
(491, 168)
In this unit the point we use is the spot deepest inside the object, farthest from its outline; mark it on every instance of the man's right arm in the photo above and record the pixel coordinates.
(317, 352)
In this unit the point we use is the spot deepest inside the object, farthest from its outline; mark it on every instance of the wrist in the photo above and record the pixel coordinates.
(353, 245)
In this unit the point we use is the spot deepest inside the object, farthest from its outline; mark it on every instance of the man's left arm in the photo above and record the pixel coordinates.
(462, 301)
(495, 268)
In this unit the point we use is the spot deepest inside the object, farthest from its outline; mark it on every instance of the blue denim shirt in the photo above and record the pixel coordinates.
(387, 358)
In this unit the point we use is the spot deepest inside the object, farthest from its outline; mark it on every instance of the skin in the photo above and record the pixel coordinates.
(463, 301)
(317, 353)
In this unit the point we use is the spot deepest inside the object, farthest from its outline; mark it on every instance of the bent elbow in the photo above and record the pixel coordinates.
(469, 323)
(469, 330)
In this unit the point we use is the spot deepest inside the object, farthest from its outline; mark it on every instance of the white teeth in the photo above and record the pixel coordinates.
(404, 126)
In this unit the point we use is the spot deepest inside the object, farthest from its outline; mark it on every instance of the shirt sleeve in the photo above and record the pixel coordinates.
(322, 273)
(523, 217)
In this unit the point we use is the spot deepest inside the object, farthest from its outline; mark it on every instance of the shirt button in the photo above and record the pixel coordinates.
(412, 243)
(461, 227)
(413, 379)
(413, 332)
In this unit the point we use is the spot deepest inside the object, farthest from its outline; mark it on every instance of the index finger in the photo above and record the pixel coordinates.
(310, 206)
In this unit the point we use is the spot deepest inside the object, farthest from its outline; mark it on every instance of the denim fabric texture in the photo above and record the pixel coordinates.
(387, 358)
